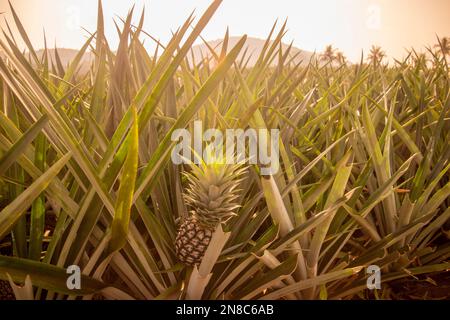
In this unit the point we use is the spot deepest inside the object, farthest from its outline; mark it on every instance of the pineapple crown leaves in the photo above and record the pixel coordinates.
(212, 193)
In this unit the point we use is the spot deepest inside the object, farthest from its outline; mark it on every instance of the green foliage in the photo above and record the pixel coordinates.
(364, 168)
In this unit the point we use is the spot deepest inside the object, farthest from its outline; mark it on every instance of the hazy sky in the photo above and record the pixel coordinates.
(350, 25)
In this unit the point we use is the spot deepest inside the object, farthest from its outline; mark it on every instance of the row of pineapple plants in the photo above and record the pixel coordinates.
(363, 177)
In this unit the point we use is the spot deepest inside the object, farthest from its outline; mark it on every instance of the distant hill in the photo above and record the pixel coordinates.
(254, 46)
(66, 56)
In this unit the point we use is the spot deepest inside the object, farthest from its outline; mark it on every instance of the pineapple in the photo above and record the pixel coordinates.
(211, 197)
(6, 292)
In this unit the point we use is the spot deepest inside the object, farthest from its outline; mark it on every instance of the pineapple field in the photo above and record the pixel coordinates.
(92, 205)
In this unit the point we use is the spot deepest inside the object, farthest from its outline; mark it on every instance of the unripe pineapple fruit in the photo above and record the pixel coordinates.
(211, 197)
(6, 292)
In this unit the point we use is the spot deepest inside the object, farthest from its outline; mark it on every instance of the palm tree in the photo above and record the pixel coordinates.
(421, 59)
(376, 55)
(341, 58)
(444, 46)
(329, 55)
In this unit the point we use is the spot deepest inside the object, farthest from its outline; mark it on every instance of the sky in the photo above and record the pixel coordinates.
(350, 25)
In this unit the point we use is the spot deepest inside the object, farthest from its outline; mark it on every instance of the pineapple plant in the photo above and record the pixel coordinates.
(211, 197)
(364, 171)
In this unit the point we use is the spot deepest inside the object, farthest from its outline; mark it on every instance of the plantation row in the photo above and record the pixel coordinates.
(87, 177)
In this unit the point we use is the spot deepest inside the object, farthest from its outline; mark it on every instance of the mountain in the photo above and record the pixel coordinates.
(254, 47)
(66, 56)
